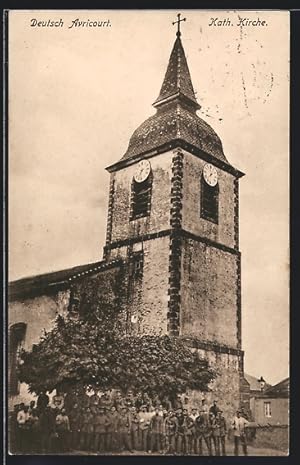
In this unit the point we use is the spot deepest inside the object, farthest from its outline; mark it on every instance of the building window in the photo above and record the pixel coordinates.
(137, 263)
(267, 409)
(16, 341)
(209, 200)
(141, 198)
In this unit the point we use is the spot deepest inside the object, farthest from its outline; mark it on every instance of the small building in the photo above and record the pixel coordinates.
(271, 406)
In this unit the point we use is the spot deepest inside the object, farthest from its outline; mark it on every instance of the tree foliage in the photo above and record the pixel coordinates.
(91, 351)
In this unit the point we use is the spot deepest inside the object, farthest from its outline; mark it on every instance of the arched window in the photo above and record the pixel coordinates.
(15, 343)
(141, 198)
(209, 200)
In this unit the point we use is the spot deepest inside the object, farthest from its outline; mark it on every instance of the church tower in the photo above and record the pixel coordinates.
(173, 217)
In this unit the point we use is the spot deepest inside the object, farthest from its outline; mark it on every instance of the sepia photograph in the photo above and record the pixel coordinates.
(148, 232)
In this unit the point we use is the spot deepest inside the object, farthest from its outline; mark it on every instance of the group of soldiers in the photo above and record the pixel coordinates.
(109, 422)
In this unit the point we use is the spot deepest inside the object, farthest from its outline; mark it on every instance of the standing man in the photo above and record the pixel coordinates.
(118, 400)
(145, 418)
(177, 404)
(135, 430)
(75, 417)
(203, 432)
(87, 430)
(129, 400)
(214, 408)
(47, 428)
(112, 443)
(22, 422)
(95, 400)
(156, 431)
(190, 433)
(105, 400)
(139, 401)
(171, 427)
(194, 415)
(42, 401)
(147, 401)
(180, 432)
(124, 427)
(101, 423)
(223, 431)
(70, 400)
(239, 424)
(63, 430)
(215, 433)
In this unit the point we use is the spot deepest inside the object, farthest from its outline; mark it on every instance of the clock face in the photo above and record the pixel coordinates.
(142, 171)
(210, 174)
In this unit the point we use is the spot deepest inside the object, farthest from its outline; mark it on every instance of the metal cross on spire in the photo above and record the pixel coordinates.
(178, 33)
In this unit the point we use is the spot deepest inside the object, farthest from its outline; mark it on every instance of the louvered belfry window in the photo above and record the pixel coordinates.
(141, 198)
(209, 202)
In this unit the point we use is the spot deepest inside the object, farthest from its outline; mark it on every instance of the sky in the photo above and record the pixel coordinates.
(77, 94)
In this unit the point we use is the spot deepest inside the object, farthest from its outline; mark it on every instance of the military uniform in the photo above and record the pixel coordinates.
(147, 401)
(75, 418)
(62, 426)
(223, 430)
(84, 401)
(69, 401)
(119, 403)
(42, 401)
(87, 430)
(47, 428)
(171, 427)
(190, 433)
(105, 402)
(112, 442)
(138, 401)
(156, 432)
(203, 432)
(145, 418)
(180, 433)
(135, 431)
(215, 430)
(101, 424)
(124, 426)
(94, 400)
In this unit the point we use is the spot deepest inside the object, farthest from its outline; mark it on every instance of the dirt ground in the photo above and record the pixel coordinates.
(252, 451)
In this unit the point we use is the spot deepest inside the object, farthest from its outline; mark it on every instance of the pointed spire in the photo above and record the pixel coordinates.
(177, 83)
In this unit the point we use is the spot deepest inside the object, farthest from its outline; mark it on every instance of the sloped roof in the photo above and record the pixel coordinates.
(176, 117)
(175, 122)
(35, 285)
(177, 77)
(254, 382)
(281, 389)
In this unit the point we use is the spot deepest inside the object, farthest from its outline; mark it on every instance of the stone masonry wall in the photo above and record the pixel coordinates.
(38, 314)
(209, 293)
(148, 296)
(224, 232)
(159, 219)
(225, 388)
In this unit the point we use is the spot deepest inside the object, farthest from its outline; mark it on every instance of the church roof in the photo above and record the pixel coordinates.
(175, 122)
(177, 78)
(175, 117)
(48, 282)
